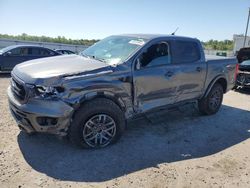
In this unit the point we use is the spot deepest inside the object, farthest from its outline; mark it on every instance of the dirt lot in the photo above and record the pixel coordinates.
(167, 149)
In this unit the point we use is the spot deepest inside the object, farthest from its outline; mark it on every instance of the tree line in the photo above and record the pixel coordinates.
(59, 39)
(219, 45)
(211, 44)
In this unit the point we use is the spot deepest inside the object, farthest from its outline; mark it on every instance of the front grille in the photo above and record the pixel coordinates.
(18, 116)
(18, 89)
(21, 118)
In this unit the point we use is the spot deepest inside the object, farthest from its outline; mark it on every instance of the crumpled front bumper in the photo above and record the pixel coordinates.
(37, 115)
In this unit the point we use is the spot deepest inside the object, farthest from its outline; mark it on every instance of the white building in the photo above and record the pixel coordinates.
(239, 42)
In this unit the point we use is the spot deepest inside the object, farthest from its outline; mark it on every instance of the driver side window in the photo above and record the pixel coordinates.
(156, 55)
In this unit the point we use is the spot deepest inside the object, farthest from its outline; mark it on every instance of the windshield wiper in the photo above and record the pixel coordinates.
(99, 59)
(85, 55)
(94, 57)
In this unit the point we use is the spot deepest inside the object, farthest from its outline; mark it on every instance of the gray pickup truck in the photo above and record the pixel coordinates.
(89, 97)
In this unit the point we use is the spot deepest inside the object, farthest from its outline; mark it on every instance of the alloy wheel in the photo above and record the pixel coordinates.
(99, 130)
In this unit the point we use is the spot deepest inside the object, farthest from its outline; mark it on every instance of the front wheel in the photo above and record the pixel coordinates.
(97, 124)
(211, 104)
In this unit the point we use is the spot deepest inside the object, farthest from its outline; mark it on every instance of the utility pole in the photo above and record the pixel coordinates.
(245, 38)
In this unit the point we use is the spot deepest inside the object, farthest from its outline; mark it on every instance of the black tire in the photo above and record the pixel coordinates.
(211, 104)
(99, 106)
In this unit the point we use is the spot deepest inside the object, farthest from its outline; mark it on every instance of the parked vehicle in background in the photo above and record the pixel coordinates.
(90, 97)
(64, 52)
(243, 54)
(13, 55)
(243, 75)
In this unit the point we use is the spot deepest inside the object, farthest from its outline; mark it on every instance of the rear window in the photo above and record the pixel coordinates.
(186, 52)
(35, 51)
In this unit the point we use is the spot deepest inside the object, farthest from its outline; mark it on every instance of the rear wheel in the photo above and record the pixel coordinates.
(97, 124)
(212, 103)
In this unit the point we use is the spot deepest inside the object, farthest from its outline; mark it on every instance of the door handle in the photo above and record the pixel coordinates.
(169, 74)
(198, 69)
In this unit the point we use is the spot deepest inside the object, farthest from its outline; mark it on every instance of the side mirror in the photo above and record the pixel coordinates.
(138, 64)
(7, 53)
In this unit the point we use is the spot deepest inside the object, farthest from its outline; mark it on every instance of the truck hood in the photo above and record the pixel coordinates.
(52, 68)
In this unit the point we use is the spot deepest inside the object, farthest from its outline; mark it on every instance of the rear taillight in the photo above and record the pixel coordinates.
(236, 71)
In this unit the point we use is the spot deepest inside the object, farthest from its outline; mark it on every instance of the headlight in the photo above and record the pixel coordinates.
(48, 91)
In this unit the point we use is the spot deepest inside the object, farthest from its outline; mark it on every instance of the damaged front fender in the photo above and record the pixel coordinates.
(117, 88)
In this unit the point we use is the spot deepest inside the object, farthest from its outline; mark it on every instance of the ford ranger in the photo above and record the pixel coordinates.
(89, 97)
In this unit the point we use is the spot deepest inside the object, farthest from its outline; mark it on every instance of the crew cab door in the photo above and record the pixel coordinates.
(192, 69)
(154, 77)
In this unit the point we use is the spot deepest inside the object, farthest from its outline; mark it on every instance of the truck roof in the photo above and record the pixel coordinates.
(154, 36)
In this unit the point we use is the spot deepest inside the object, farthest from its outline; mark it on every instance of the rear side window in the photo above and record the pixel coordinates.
(21, 51)
(186, 52)
(25, 51)
(35, 51)
(38, 52)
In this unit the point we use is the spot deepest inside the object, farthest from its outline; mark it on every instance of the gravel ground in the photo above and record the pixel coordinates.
(177, 148)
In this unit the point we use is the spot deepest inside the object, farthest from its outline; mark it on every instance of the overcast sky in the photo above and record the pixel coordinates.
(96, 19)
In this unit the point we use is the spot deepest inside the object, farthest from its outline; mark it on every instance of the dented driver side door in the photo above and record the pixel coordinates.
(155, 82)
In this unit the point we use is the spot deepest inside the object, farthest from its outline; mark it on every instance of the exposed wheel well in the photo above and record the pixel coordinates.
(116, 101)
(223, 83)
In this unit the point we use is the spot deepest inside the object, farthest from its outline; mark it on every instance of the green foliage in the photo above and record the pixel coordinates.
(58, 39)
(219, 45)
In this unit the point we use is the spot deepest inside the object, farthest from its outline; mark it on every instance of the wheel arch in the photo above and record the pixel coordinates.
(101, 94)
(219, 79)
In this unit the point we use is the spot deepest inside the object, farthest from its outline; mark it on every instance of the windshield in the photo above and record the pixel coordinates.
(114, 50)
(3, 50)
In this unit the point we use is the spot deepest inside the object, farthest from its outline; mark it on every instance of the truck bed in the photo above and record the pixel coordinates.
(215, 57)
(217, 65)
